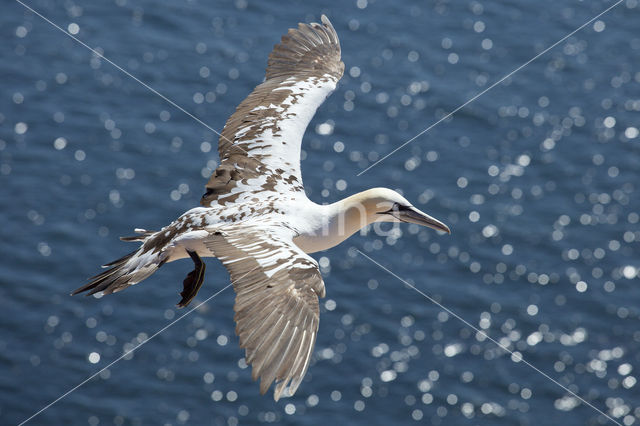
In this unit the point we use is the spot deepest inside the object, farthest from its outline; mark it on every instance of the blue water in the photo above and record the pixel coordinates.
(539, 179)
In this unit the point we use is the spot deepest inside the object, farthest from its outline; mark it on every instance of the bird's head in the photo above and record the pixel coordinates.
(387, 205)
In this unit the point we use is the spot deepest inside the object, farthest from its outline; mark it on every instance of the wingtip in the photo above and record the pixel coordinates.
(327, 23)
(279, 390)
(264, 386)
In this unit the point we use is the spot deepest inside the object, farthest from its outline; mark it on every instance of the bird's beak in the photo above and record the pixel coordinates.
(413, 215)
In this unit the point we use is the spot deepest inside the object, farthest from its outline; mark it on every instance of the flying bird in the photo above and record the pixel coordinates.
(257, 220)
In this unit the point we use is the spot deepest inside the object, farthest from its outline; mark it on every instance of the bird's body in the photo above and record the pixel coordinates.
(257, 220)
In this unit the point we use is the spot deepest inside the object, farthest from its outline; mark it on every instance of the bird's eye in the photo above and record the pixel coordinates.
(400, 207)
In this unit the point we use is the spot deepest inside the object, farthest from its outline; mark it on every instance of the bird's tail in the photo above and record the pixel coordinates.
(128, 270)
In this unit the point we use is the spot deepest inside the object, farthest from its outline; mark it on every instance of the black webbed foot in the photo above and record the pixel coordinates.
(194, 280)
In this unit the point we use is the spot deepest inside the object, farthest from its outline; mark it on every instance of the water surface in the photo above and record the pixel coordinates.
(538, 178)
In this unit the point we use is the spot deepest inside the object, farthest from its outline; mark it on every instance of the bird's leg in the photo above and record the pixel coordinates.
(194, 280)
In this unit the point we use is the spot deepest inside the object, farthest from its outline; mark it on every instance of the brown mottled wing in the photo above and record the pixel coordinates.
(260, 144)
(276, 308)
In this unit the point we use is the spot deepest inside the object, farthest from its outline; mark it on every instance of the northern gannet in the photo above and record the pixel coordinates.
(256, 219)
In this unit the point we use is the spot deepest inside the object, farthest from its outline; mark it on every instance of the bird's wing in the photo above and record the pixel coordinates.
(277, 287)
(260, 144)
